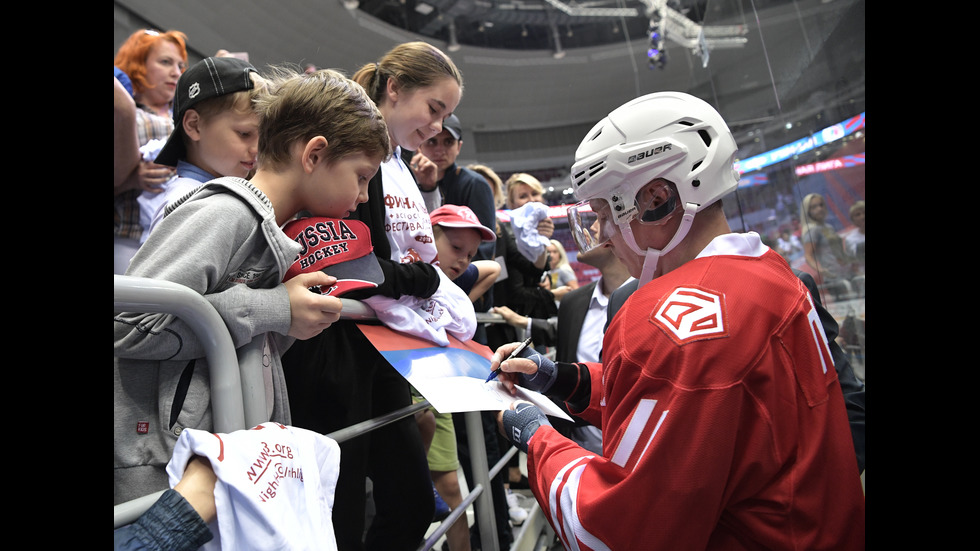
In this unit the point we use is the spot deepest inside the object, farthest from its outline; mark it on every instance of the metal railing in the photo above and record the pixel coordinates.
(238, 394)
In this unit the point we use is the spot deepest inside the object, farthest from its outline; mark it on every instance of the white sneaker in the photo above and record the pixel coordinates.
(517, 516)
(513, 500)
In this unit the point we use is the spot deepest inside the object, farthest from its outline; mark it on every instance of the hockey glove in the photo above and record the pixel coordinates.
(544, 378)
(522, 422)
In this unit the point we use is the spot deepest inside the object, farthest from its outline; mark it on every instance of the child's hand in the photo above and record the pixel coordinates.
(152, 176)
(197, 487)
(311, 312)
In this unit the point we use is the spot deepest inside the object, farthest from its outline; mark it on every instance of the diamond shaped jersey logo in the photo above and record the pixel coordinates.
(689, 314)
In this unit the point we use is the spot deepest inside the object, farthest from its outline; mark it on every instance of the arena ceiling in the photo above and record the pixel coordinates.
(539, 73)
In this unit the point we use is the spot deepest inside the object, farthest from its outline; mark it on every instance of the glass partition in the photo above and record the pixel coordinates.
(804, 141)
(802, 156)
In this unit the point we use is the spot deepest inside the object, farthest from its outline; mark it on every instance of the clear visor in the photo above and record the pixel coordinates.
(590, 228)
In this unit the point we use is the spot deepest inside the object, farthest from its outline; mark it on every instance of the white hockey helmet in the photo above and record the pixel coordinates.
(670, 135)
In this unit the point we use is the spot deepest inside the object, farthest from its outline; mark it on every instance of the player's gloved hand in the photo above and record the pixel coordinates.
(522, 422)
(544, 377)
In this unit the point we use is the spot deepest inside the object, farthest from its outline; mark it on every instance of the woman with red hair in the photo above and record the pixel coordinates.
(153, 61)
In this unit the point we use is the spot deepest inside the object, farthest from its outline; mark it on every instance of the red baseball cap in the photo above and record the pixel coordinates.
(341, 248)
(458, 216)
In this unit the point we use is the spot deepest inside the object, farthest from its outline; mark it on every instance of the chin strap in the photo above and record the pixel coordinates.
(652, 256)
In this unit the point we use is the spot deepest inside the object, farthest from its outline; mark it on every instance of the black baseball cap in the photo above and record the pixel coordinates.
(209, 78)
(451, 124)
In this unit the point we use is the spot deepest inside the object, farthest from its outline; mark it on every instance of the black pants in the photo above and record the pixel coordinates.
(505, 536)
(338, 379)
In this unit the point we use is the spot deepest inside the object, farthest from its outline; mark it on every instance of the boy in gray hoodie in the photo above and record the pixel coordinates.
(321, 140)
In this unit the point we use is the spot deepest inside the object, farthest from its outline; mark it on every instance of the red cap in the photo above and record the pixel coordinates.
(341, 248)
(458, 216)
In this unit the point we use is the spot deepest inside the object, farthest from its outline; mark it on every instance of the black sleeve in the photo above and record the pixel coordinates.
(524, 295)
(617, 299)
(417, 279)
(544, 332)
(850, 385)
(479, 197)
(573, 384)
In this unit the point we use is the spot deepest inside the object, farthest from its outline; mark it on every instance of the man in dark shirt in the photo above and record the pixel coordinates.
(454, 184)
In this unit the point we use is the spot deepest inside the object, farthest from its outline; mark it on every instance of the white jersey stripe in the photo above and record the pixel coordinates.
(638, 422)
(652, 434)
(553, 500)
(563, 497)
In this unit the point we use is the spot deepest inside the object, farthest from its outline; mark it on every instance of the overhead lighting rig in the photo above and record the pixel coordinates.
(657, 54)
(688, 34)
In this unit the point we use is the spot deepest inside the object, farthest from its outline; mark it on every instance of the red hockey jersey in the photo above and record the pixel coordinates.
(723, 423)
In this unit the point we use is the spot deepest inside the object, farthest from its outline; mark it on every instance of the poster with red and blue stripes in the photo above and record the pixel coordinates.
(451, 378)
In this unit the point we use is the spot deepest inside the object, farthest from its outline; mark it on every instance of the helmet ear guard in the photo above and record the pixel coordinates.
(661, 204)
(657, 214)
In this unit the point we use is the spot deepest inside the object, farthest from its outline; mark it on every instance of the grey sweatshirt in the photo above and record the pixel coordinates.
(223, 242)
